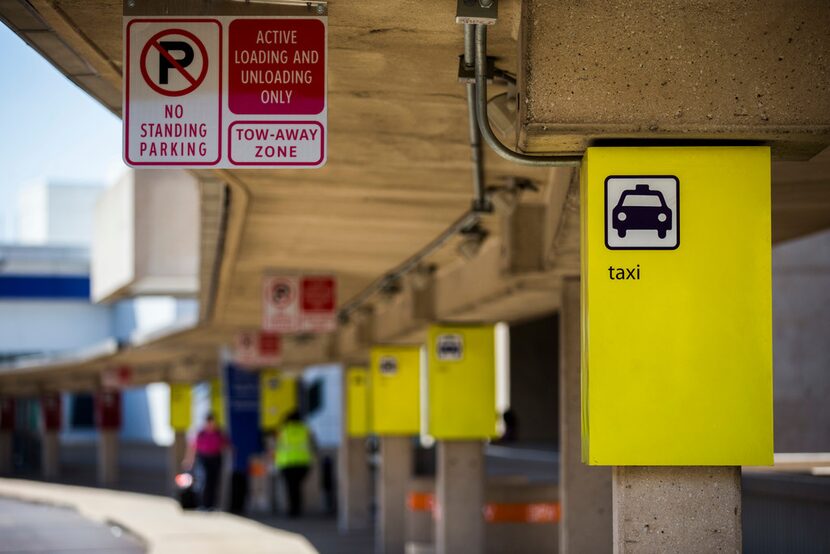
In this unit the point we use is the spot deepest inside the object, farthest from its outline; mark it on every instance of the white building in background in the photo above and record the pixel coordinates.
(57, 213)
(44, 302)
(46, 308)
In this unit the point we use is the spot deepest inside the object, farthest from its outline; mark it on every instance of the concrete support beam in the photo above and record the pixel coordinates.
(407, 312)
(481, 289)
(677, 509)
(460, 497)
(301, 351)
(107, 457)
(355, 337)
(526, 241)
(584, 491)
(749, 71)
(6, 452)
(50, 455)
(394, 474)
(354, 485)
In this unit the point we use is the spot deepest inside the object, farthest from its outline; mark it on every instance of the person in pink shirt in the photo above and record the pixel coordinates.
(207, 449)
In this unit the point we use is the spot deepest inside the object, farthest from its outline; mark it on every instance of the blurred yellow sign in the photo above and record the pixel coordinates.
(676, 306)
(217, 402)
(180, 406)
(277, 398)
(395, 384)
(461, 395)
(357, 402)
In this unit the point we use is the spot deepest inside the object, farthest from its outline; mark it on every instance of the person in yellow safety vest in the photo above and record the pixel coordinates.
(294, 456)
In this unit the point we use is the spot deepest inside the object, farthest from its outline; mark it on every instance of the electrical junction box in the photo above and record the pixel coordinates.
(461, 389)
(396, 389)
(676, 306)
(357, 402)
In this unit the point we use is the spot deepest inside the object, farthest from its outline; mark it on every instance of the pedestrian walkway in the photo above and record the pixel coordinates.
(44, 529)
(321, 532)
(157, 521)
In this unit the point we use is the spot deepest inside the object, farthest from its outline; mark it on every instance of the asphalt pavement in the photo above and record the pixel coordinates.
(29, 528)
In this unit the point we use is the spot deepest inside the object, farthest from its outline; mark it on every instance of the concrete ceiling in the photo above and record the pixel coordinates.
(398, 172)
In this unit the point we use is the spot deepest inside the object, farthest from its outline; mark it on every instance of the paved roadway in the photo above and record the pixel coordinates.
(321, 531)
(40, 529)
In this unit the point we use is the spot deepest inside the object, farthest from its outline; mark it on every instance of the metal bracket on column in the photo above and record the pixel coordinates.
(477, 12)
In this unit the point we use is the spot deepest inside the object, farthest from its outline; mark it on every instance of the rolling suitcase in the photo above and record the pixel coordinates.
(185, 491)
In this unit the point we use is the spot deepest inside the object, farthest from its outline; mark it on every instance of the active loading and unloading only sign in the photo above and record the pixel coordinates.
(225, 92)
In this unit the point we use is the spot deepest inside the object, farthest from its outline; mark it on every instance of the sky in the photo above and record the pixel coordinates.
(49, 128)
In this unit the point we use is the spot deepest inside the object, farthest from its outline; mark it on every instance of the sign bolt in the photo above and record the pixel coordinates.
(321, 9)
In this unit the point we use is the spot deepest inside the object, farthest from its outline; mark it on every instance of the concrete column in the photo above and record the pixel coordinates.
(175, 455)
(107, 457)
(50, 424)
(393, 475)
(459, 491)
(353, 485)
(677, 509)
(5, 452)
(50, 455)
(584, 491)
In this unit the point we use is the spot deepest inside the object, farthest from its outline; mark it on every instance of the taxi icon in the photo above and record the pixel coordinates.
(642, 209)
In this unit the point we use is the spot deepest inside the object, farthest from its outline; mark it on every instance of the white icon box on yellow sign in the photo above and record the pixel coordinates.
(642, 212)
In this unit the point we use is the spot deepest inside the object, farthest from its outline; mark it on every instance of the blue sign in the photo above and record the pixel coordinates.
(242, 390)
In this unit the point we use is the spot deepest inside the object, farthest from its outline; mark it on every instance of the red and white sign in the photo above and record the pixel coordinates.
(299, 303)
(257, 349)
(117, 378)
(225, 92)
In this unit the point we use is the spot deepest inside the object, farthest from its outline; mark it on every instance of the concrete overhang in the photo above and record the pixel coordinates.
(43, 24)
(399, 170)
(614, 72)
(176, 352)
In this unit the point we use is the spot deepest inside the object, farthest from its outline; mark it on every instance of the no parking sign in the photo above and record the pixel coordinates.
(225, 91)
(296, 303)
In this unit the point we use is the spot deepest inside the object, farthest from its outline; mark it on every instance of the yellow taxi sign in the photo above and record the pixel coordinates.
(357, 402)
(396, 385)
(180, 406)
(461, 395)
(676, 306)
(277, 398)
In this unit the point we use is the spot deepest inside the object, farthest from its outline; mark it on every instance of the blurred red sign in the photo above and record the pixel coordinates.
(117, 377)
(50, 404)
(6, 413)
(108, 409)
(257, 349)
(299, 303)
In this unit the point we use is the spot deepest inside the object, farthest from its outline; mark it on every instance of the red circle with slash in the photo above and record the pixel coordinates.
(194, 81)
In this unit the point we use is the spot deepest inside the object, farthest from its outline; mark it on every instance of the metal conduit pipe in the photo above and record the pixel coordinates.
(480, 201)
(484, 122)
(467, 220)
(469, 44)
(475, 54)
